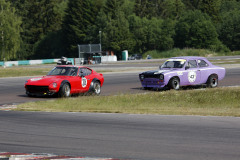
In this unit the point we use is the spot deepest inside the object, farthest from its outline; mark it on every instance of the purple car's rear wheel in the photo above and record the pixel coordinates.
(212, 81)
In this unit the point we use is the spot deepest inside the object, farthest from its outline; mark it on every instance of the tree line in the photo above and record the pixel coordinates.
(53, 28)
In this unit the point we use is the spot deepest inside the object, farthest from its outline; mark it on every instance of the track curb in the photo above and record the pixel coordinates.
(43, 156)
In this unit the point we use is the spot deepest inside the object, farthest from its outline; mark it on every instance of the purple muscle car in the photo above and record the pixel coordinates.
(183, 71)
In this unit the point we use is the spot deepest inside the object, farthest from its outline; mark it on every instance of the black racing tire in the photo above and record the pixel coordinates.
(212, 81)
(64, 91)
(96, 90)
(81, 94)
(174, 83)
(29, 94)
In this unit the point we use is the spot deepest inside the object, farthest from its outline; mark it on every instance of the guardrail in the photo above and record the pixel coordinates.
(75, 61)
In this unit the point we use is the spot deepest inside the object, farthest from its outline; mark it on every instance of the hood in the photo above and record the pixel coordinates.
(45, 80)
(156, 72)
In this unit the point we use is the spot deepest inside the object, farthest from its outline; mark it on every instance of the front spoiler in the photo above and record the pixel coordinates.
(152, 83)
(153, 86)
(40, 94)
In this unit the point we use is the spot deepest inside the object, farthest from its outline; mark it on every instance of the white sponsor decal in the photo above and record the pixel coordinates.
(192, 76)
(180, 73)
(84, 82)
(36, 79)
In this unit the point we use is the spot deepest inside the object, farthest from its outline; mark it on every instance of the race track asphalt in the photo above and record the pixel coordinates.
(123, 136)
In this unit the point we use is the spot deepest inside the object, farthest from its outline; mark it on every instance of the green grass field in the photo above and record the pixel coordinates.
(22, 71)
(206, 102)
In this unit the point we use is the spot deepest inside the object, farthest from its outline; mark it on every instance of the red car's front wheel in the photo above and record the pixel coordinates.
(64, 91)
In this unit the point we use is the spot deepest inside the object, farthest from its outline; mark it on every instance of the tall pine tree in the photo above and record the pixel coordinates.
(112, 7)
(195, 30)
(9, 31)
(116, 34)
(172, 9)
(75, 27)
(39, 18)
(52, 45)
(212, 8)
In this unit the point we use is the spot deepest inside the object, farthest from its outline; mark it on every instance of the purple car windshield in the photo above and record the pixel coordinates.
(174, 63)
(63, 71)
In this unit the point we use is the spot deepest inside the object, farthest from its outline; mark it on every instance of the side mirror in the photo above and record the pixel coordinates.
(187, 67)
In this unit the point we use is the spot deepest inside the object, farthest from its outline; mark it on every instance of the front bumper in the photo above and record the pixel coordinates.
(152, 83)
(39, 90)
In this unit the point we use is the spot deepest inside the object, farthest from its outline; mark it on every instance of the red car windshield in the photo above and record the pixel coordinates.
(63, 71)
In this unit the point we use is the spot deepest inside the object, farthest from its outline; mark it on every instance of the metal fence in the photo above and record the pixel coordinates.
(88, 49)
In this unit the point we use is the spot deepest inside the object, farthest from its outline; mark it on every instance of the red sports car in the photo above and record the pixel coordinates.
(65, 80)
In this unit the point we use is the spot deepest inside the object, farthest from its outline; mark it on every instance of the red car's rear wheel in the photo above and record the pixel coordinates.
(96, 88)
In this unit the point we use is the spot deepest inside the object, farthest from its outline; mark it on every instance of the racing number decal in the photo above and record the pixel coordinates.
(192, 76)
(84, 82)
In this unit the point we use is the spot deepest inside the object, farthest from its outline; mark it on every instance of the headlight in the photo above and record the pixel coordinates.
(53, 85)
(141, 76)
(161, 77)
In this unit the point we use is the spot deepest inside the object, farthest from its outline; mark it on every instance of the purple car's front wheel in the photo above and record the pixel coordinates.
(174, 83)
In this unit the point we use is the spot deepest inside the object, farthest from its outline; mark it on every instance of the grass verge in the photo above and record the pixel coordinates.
(187, 52)
(226, 61)
(205, 102)
(27, 71)
(22, 71)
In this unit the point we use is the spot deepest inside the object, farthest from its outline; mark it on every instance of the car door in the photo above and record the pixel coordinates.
(86, 78)
(203, 67)
(192, 74)
(73, 78)
(89, 77)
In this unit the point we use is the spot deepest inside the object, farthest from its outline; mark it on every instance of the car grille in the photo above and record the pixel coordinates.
(37, 89)
(151, 76)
